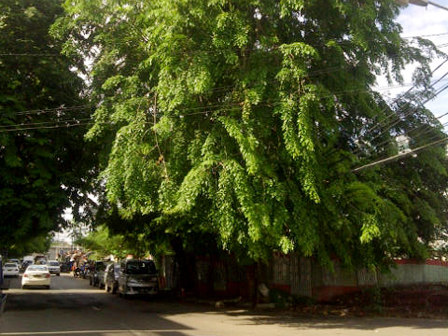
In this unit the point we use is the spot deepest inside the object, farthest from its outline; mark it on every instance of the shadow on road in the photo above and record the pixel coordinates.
(291, 320)
(75, 308)
(84, 311)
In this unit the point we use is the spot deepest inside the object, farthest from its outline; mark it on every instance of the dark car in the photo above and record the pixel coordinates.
(2, 296)
(111, 277)
(101, 275)
(65, 267)
(137, 277)
(97, 269)
(25, 264)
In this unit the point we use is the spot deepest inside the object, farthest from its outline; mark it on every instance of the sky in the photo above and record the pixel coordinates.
(430, 20)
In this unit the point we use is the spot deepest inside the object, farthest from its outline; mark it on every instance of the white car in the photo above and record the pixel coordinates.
(11, 269)
(54, 267)
(17, 261)
(36, 275)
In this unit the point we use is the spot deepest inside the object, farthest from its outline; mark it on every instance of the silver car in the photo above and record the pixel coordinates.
(11, 269)
(137, 277)
(54, 267)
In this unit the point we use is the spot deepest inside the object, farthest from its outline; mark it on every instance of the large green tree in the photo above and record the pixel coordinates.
(243, 120)
(45, 166)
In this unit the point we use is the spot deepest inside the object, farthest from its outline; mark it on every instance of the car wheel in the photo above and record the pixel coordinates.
(47, 287)
(59, 274)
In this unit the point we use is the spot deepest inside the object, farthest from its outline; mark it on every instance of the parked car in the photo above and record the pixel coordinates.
(36, 275)
(137, 277)
(11, 269)
(102, 276)
(96, 271)
(111, 277)
(54, 267)
(2, 296)
(17, 261)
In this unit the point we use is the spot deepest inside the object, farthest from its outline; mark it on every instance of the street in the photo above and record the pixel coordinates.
(72, 307)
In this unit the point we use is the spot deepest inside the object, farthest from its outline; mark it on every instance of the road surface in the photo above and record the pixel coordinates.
(72, 307)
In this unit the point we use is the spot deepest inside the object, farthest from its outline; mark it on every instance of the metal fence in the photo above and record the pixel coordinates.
(305, 277)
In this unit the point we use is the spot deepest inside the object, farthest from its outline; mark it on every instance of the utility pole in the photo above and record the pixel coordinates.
(423, 3)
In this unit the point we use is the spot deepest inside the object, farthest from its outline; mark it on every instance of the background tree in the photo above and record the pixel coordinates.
(39, 244)
(45, 166)
(241, 121)
(103, 244)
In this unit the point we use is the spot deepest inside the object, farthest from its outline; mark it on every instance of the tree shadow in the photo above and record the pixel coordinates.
(298, 322)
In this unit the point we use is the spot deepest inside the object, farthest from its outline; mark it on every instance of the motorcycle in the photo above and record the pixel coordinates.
(77, 273)
(86, 272)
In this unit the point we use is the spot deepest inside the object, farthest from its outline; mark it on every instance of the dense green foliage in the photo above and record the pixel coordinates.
(44, 167)
(242, 121)
(39, 244)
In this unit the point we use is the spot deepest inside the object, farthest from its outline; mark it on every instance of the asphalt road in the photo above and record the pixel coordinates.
(72, 307)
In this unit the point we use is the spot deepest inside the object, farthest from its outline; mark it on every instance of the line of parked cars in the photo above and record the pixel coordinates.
(129, 277)
(35, 272)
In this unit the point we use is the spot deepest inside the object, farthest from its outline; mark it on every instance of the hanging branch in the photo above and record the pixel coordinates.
(161, 157)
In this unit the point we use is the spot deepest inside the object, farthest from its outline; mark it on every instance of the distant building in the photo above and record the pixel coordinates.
(57, 248)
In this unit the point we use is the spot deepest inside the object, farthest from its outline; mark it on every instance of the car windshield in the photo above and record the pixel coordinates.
(140, 267)
(10, 265)
(53, 263)
(37, 268)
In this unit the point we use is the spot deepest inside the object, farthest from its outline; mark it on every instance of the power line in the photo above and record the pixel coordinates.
(86, 107)
(430, 128)
(223, 50)
(426, 35)
(32, 55)
(196, 110)
(55, 109)
(44, 123)
(45, 127)
(407, 112)
(391, 158)
(380, 124)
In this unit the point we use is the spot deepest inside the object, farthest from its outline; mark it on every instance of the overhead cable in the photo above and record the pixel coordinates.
(400, 155)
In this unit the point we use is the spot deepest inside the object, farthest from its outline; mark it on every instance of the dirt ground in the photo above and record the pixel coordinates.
(429, 301)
